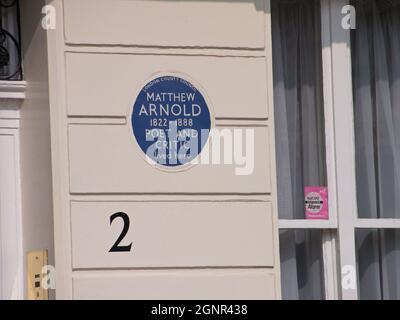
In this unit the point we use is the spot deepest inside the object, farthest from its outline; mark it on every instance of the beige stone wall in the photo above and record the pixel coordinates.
(200, 233)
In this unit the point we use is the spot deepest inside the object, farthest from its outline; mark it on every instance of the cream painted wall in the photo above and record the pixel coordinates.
(37, 209)
(99, 53)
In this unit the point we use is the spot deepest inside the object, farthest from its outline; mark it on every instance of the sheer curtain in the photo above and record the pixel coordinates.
(376, 87)
(299, 123)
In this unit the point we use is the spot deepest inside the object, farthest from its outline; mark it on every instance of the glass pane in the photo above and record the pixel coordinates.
(298, 101)
(10, 53)
(301, 264)
(376, 86)
(378, 262)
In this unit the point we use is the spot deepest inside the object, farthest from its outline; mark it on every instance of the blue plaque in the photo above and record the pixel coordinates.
(171, 121)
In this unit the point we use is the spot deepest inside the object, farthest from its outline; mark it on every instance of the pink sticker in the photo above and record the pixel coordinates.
(316, 203)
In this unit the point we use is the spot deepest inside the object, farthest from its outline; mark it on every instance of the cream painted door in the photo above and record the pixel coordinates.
(201, 233)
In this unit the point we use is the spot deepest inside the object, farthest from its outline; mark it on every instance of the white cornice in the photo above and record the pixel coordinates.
(12, 90)
(12, 94)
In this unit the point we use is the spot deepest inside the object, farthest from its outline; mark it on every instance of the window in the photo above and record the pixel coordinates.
(299, 108)
(302, 264)
(375, 51)
(337, 116)
(10, 51)
(300, 141)
(378, 261)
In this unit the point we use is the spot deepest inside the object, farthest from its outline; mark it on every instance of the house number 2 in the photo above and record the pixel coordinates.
(117, 247)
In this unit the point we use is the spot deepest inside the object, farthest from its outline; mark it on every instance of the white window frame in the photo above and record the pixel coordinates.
(337, 61)
(338, 247)
(338, 86)
(328, 227)
(338, 233)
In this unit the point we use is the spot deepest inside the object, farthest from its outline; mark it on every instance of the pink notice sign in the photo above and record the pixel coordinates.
(316, 203)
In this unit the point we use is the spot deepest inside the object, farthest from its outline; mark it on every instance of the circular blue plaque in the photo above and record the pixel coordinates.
(171, 121)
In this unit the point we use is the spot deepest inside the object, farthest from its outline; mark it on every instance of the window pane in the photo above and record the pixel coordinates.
(378, 261)
(301, 264)
(298, 100)
(10, 53)
(376, 86)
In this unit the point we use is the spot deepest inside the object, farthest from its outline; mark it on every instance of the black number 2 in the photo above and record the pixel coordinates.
(117, 247)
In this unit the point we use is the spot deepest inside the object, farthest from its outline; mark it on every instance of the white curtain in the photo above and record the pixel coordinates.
(376, 86)
(299, 124)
